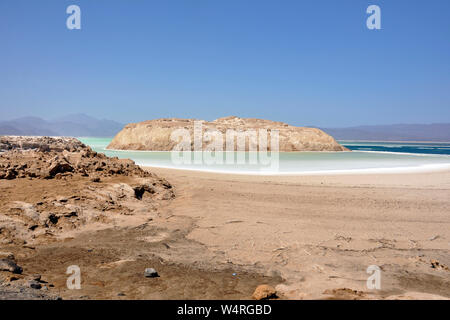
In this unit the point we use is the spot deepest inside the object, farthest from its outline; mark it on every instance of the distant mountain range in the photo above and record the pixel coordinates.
(394, 132)
(75, 125)
(81, 125)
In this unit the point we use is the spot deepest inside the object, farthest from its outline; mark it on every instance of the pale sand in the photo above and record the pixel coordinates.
(322, 232)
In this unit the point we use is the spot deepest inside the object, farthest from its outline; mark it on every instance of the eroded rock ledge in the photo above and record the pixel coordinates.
(52, 186)
(48, 158)
(155, 135)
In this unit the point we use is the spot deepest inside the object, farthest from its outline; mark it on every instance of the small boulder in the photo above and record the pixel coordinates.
(150, 273)
(264, 291)
(59, 167)
(34, 285)
(10, 265)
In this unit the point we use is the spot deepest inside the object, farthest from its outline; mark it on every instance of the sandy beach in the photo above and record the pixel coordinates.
(320, 233)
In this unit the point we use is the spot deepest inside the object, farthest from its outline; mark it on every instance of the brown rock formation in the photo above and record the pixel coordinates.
(51, 186)
(44, 157)
(263, 292)
(155, 135)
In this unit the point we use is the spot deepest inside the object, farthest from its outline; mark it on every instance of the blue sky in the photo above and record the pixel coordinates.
(302, 62)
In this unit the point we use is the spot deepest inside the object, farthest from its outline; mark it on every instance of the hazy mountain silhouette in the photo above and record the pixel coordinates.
(75, 125)
(81, 125)
(394, 132)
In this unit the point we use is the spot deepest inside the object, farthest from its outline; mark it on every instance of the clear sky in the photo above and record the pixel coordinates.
(308, 62)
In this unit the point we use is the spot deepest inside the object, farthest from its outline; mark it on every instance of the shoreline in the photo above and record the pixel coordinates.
(292, 152)
(422, 168)
(426, 168)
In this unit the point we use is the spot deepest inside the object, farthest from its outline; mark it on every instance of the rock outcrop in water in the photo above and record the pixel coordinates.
(155, 135)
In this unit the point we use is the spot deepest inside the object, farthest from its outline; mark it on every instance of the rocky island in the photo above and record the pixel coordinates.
(155, 135)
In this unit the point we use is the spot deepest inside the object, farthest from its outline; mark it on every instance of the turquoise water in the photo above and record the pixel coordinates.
(404, 147)
(367, 157)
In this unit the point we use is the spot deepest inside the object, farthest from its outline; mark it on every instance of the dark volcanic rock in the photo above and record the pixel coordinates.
(10, 265)
(35, 284)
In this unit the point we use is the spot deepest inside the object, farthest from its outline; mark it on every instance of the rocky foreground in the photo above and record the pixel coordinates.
(55, 188)
(48, 158)
(72, 185)
(62, 204)
(155, 135)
